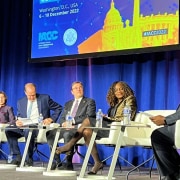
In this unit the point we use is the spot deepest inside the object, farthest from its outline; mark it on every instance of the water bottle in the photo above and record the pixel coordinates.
(69, 120)
(126, 115)
(99, 118)
(10, 158)
(40, 121)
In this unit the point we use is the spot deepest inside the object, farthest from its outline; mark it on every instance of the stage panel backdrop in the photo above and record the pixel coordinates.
(154, 77)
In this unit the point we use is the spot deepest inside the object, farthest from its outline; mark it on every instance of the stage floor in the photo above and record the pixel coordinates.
(6, 174)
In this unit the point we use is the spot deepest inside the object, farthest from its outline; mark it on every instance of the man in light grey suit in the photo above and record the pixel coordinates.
(86, 108)
(162, 139)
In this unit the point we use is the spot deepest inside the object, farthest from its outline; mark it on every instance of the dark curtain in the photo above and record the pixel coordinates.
(154, 77)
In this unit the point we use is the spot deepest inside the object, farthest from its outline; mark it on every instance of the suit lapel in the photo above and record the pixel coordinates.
(25, 104)
(70, 105)
(39, 106)
(80, 107)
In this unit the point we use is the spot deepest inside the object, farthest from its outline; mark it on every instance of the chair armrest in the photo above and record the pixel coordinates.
(3, 125)
(54, 125)
(177, 134)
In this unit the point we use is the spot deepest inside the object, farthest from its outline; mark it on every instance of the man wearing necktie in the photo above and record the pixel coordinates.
(31, 106)
(80, 108)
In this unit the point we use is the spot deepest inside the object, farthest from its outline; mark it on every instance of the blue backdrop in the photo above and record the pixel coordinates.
(155, 77)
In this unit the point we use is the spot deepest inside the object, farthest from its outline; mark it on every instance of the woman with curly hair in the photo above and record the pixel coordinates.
(119, 95)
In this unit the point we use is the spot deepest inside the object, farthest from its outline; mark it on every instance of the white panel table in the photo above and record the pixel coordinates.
(115, 154)
(50, 172)
(31, 168)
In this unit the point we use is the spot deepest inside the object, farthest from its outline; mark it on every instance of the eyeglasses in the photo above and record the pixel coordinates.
(77, 88)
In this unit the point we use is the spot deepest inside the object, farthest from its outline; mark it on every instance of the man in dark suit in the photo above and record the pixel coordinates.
(86, 108)
(31, 106)
(162, 139)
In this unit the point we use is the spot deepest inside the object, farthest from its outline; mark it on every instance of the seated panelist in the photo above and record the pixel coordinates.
(31, 106)
(162, 139)
(80, 107)
(119, 95)
(6, 112)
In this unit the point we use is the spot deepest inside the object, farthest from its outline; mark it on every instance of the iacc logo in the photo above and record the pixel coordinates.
(48, 36)
(47, 1)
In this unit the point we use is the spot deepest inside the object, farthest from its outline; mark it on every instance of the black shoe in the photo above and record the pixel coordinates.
(16, 162)
(175, 176)
(68, 167)
(166, 178)
(56, 165)
(96, 168)
(29, 162)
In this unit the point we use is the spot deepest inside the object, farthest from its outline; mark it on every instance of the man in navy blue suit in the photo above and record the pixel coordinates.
(86, 108)
(31, 106)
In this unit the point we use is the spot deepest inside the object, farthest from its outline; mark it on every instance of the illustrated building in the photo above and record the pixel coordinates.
(145, 31)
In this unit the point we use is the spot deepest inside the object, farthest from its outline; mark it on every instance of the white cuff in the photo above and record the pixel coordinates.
(73, 121)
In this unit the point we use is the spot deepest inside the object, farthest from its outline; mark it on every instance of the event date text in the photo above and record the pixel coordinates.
(73, 11)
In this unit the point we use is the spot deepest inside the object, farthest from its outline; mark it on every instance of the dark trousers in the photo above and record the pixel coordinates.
(14, 134)
(67, 135)
(167, 157)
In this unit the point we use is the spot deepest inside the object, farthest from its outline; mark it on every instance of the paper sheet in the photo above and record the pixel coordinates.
(147, 114)
(27, 121)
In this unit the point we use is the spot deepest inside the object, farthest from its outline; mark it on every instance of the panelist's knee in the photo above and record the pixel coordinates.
(87, 132)
(155, 135)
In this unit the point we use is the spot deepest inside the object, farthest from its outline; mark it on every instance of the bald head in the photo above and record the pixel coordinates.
(30, 91)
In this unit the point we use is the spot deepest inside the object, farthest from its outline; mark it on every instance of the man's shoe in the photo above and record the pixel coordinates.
(29, 162)
(68, 167)
(166, 178)
(53, 166)
(16, 162)
(175, 176)
(56, 165)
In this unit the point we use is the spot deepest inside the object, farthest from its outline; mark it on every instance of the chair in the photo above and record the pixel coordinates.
(40, 140)
(177, 135)
(3, 139)
(111, 141)
(142, 135)
(6, 156)
(135, 136)
(81, 142)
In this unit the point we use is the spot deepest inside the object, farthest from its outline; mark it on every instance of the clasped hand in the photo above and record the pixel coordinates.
(19, 123)
(158, 120)
(64, 124)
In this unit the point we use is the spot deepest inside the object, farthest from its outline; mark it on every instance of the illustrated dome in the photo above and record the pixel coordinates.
(113, 16)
